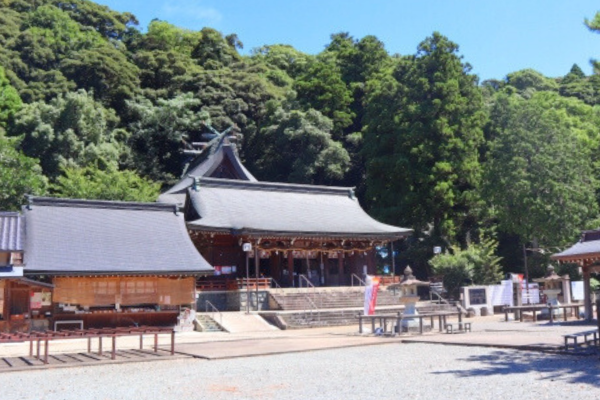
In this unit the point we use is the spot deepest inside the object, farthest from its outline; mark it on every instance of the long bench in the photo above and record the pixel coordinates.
(571, 340)
(396, 320)
(539, 307)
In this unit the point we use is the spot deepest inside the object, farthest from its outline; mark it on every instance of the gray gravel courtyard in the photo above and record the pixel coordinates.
(391, 371)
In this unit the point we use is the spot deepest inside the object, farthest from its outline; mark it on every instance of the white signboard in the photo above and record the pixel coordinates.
(502, 294)
(534, 293)
(577, 290)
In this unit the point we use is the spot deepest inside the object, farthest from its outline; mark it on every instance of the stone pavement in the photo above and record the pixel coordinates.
(486, 331)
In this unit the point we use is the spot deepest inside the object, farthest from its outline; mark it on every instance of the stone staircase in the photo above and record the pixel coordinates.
(331, 306)
(205, 323)
(327, 298)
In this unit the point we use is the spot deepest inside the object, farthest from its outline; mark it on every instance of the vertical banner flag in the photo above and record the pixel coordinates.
(371, 294)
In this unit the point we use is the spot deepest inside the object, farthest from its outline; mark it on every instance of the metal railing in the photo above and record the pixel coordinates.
(303, 277)
(311, 288)
(313, 309)
(357, 278)
(214, 310)
(276, 286)
(440, 298)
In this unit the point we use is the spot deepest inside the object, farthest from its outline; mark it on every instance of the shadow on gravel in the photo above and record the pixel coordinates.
(584, 370)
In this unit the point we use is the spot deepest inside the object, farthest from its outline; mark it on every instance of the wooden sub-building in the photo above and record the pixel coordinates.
(107, 264)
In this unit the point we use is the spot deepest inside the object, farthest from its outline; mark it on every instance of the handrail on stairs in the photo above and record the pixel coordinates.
(215, 309)
(313, 308)
(276, 284)
(310, 286)
(360, 281)
(440, 298)
(302, 277)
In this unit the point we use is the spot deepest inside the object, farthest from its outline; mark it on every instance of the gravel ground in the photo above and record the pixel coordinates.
(410, 371)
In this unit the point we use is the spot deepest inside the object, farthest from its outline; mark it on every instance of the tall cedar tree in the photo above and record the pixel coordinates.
(423, 130)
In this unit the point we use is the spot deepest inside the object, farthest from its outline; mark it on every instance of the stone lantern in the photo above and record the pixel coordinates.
(408, 287)
(553, 285)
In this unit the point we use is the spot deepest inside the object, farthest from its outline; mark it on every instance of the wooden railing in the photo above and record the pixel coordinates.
(253, 283)
(217, 285)
(388, 280)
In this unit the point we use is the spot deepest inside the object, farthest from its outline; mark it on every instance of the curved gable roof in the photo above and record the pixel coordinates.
(262, 208)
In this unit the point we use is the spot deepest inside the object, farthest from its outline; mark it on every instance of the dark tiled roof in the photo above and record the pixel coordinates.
(224, 156)
(11, 231)
(66, 237)
(588, 246)
(263, 208)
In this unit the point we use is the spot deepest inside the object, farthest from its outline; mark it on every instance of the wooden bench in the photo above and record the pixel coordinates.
(571, 341)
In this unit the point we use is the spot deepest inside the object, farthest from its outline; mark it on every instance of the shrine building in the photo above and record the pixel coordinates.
(318, 234)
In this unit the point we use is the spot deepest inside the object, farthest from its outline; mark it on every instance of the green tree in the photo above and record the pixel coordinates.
(300, 149)
(540, 181)
(73, 130)
(575, 84)
(19, 174)
(109, 184)
(528, 80)
(159, 132)
(423, 129)
(477, 264)
(104, 71)
(323, 89)
(10, 102)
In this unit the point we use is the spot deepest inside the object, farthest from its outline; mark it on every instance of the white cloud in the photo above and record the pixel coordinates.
(191, 9)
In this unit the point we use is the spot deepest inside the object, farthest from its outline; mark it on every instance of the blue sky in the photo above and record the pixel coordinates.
(495, 37)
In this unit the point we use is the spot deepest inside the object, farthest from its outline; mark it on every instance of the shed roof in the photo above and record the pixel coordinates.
(588, 247)
(70, 237)
(11, 232)
(279, 209)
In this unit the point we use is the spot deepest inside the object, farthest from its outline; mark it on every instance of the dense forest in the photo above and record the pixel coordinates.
(92, 107)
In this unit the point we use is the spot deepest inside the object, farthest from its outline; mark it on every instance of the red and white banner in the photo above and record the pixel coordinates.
(371, 294)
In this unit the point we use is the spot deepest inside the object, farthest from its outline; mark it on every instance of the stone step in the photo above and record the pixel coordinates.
(207, 324)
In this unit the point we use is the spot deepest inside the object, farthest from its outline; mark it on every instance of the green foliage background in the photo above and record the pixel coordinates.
(87, 98)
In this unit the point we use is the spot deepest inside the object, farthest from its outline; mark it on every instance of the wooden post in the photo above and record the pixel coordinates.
(340, 267)
(100, 345)
(114, 347)
(421, 324)
(156, 342)
(372, 324)
(173, 342)
(46, 351)
(38, 348)
(256, 273)
(551, 315)
(439, 322)
(587, 290)
(30, 347)
(141, 341)
(565, 313)
(360, 326)
(290, 259)
(89, 345)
